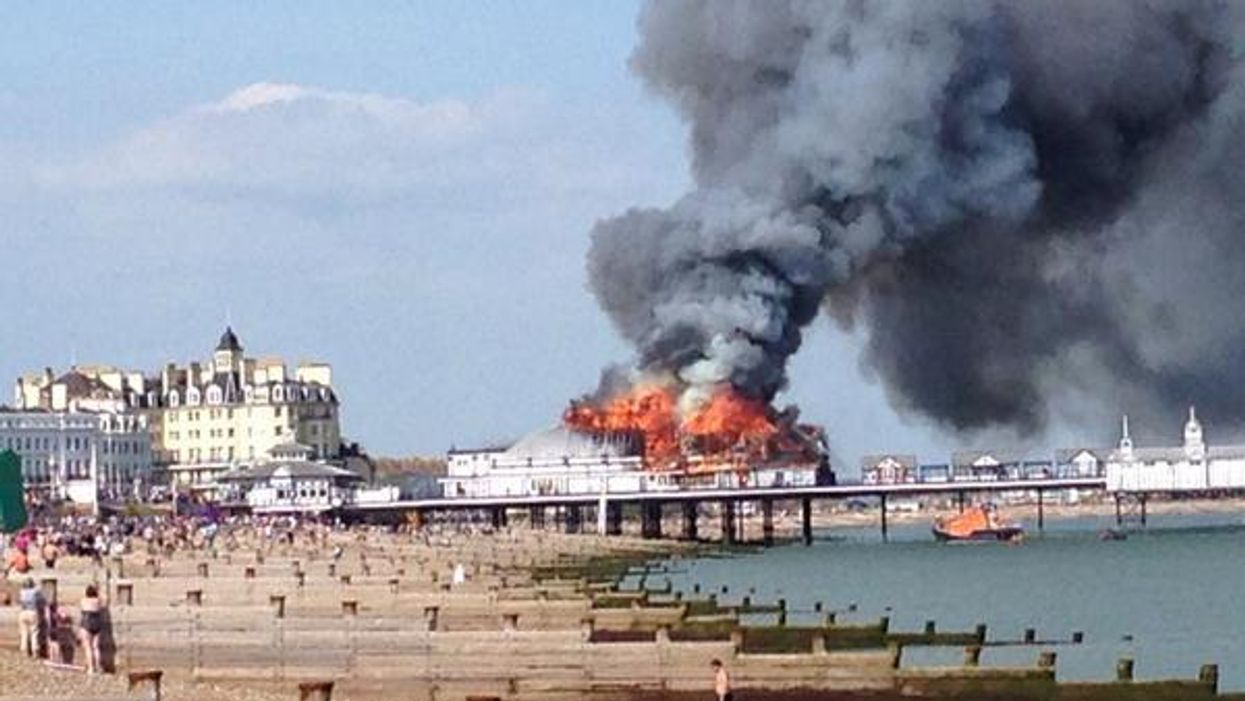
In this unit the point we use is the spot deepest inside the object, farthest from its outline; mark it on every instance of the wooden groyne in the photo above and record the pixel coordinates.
(532, 616)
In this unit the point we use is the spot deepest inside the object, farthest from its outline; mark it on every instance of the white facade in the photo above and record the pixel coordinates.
(204, 418)
(288, 487)
(1193, 466)
(78, 455)
(560, 461)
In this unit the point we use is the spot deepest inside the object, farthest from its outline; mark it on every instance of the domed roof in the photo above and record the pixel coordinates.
(560, 442)
(229, 341)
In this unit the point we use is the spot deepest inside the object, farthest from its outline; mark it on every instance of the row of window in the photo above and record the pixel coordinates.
(45, 443)
(279, 394)
(277, 411)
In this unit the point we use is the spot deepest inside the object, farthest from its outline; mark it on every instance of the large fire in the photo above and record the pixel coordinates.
(725, 429)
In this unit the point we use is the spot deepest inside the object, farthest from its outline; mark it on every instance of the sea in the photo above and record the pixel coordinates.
(1171, 595)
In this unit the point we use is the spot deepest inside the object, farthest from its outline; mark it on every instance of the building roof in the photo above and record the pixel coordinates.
(1067, 454)
(561, 442)
(229, 341)
(871, 461)
(78, 385)
(969, 458)
(1178, 454)
(286, 468)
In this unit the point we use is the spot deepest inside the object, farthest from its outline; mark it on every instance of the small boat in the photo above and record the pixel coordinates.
(1112, 534)
(977, 523)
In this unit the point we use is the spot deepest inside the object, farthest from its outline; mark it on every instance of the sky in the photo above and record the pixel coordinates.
(404, 192)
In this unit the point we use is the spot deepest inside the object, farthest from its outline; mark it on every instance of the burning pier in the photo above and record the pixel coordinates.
(641, 441)
(728, 434)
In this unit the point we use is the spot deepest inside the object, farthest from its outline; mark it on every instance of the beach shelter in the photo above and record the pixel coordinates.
(12, 493)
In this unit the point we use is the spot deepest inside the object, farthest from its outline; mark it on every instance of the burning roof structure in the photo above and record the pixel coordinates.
(728, 431)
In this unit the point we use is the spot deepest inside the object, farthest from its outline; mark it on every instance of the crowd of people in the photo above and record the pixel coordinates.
(47, 629)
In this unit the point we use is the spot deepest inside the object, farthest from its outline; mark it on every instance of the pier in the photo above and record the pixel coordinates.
(651, 506)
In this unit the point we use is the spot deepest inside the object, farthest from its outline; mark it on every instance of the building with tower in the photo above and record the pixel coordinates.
(206, 418)
(1192, 466)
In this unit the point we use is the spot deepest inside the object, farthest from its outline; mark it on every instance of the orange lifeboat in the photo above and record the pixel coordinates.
(976, 523)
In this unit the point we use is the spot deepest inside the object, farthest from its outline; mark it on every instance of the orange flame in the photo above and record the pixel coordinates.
(727, 422)
(646, 410)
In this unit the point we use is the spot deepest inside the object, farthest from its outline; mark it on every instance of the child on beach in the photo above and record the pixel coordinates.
(721, 681)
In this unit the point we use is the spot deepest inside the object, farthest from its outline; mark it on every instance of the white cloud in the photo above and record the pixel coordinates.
(287, 143)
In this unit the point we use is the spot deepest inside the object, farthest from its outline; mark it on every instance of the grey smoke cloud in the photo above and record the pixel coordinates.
(985, 188)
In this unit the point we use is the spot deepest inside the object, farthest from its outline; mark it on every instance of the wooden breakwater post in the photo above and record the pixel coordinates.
(150, 679)
(972, 656)
(1209, 675)
(315, 691)
(277, 601)
(1124, 669)
(125, 593)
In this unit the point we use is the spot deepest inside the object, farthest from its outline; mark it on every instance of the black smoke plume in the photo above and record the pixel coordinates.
(1010, 198)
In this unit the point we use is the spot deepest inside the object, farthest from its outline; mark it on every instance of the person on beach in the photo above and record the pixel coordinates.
(29, 618)
(18, 561)
(50, 552)
(90, 625)
(721, 681)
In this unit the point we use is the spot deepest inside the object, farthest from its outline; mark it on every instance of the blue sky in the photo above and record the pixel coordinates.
(404, 192)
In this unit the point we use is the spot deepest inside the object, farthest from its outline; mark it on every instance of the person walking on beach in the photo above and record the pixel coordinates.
(721, 681)
(90, 625)
(29, 618)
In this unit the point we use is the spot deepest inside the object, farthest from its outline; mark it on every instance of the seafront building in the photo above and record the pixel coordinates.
(1192, 466)
(291, 481)
(204, 418)
(79, 455)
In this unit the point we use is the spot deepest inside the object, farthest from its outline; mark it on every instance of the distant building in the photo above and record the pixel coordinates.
(888, 469)
(291, 482)
(1081, 462)
(1192, 466)
(79, 455)
(205, 418)
(984, 465)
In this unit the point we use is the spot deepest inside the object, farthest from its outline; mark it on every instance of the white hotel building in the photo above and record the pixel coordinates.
(1193, 466)
(78, 455)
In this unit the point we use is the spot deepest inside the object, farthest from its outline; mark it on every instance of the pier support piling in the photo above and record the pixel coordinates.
(1119, 515)
(959, 500)
(499, 517)
(574, 521)
(650, 519)
(691, 510)
(728, 522)
(537, 517)
(1041, 510)
(767, 521)
(613, 518)
(806, 519)
(885, 529)
(1142, 499)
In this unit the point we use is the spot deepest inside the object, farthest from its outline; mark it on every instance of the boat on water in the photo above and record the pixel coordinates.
(980, 523)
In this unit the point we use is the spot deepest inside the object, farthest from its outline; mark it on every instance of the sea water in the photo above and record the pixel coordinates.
(1171, 596)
